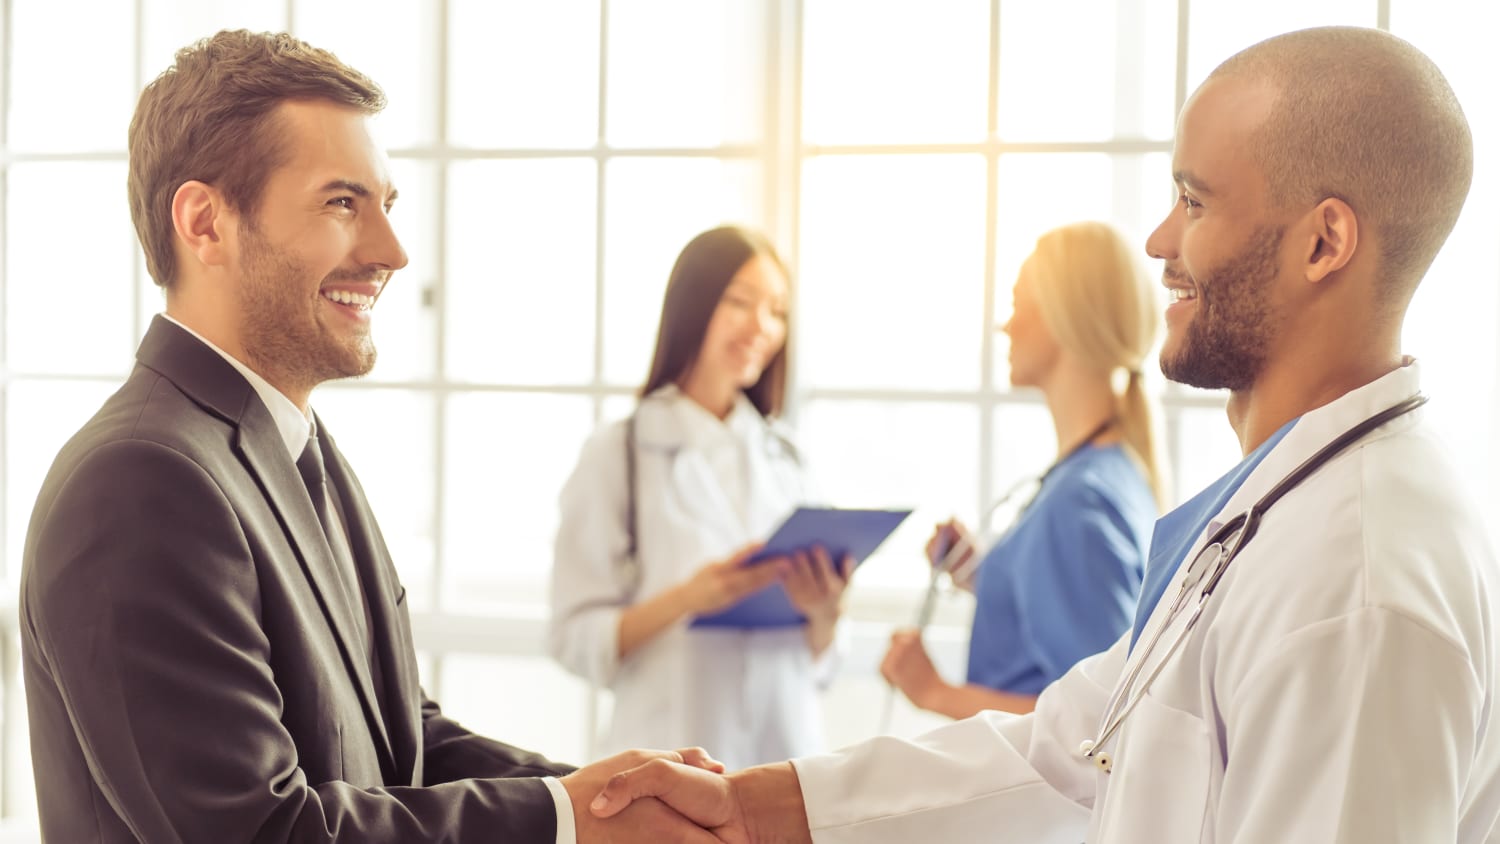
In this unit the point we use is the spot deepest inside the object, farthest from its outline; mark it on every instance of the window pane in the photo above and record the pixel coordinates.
(895, 72)
(387, 437)
(405, 321)
(55, 293)
(529, 702)
(1025, 444)
(883, 454)
(1206, 448)
(653, 207)
(892, 271)
(523, 75)
(39, 416)
(1118, 78)
(1039, 192)
(1217, 30)
(1457, 345)
(392, 42)
(684, 73)
(71, 88)
(169, 25)
(521, 270)
(507, 457)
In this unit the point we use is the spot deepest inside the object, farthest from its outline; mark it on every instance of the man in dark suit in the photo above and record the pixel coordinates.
(215, 640)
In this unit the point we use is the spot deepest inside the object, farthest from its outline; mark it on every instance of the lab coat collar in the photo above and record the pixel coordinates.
(1321, 426)
(668, 420)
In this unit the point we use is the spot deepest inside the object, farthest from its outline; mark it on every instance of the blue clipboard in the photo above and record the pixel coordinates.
(856, 533)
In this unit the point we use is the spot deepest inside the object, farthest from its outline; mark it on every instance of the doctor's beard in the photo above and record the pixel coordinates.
(1228, 338)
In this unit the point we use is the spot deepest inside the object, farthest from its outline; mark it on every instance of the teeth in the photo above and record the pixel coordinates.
(346, 297)
(1181, 294)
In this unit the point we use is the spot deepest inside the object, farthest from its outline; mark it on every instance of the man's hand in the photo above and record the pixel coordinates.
(645, 820)
(761, 805)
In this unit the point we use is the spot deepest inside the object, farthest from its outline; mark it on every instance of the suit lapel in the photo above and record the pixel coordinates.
(392, 647)
(205, 376)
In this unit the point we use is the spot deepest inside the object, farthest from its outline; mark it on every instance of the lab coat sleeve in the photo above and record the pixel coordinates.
(1083, 596)
(993, 778)
(1362, 727)
(588, 592)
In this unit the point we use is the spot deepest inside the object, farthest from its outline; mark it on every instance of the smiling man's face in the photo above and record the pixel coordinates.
(319, 252)
(1221, 245)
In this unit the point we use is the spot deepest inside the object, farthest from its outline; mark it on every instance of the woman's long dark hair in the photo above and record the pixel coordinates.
(703, 271)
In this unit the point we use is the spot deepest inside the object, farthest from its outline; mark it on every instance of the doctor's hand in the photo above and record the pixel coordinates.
(645, 820)
(718, 585)
(908, 667)
(946, 539)
(761, 804)
(815, 587)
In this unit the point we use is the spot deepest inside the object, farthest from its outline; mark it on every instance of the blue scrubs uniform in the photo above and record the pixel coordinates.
(1063, 583)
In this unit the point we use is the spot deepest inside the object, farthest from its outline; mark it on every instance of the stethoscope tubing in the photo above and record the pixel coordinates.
(1125, 697)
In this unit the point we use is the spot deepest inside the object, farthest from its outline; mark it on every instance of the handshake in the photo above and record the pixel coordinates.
(684, 796)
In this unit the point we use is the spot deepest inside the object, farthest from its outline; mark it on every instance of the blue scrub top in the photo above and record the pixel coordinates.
(1063, 583)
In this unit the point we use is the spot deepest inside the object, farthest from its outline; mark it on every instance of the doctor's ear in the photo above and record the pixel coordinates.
(1332, 238)
(202, 220)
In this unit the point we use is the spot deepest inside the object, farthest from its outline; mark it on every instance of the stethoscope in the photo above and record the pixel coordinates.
(1207, 570)
(1032, 485)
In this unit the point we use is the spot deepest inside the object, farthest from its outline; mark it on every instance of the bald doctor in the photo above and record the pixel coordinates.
(1338, 681)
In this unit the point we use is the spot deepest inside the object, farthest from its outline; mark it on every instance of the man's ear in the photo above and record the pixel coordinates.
(1332, 238)
(204, 222)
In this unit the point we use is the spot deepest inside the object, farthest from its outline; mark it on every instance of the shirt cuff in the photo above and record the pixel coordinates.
(566, 832)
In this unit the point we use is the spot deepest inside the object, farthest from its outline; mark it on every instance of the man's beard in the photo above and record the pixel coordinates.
(283, 337)
(1228, 338)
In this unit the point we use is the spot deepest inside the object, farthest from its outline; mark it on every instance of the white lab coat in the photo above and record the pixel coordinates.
(704, 489)
(1340, 686)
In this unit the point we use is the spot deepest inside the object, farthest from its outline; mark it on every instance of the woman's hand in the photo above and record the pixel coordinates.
(908, 667)
(951, 549)
(946, 540)
(720, 584)
(816, 587)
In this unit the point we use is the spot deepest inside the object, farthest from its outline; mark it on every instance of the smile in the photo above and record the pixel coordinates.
(359, 301)
(1181, 294)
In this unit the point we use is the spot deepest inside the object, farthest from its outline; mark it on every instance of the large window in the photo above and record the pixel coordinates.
(553, 157)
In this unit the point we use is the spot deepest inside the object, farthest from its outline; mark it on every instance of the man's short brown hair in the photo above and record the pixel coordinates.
(209, 117)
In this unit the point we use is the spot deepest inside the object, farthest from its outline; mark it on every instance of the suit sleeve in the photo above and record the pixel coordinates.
(143, 619)
(452, 753)
(587, 590)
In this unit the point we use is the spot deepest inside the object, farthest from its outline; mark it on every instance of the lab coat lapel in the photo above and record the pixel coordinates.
(660, 429)
(394, 653)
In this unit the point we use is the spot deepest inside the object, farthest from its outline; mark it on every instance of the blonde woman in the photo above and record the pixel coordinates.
(1062, 582)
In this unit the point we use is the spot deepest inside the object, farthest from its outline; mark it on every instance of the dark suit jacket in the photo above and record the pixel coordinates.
(192, 675)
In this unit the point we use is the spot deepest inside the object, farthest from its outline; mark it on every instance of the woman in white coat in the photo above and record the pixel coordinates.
(664, 507)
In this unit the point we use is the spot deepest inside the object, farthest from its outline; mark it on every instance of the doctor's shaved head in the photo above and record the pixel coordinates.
(1365, 117)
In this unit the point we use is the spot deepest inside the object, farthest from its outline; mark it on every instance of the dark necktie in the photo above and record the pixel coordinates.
(310, 465)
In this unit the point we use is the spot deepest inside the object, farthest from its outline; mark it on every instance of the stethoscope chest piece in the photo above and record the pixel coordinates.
(1102, 760)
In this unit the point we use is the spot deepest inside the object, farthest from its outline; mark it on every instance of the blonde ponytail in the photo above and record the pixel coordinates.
(1098, 304)
(1134, 412)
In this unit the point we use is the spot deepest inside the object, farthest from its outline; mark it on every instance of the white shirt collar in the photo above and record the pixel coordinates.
(295, 426)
